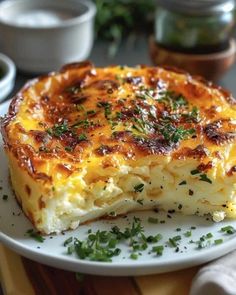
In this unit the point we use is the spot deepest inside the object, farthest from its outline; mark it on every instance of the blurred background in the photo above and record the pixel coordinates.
(197, 36)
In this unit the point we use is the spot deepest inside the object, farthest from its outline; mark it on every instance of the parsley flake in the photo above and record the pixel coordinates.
(139, 188)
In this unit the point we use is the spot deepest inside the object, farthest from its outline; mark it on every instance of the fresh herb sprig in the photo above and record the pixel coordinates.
(102, 245)
(117, 19)
(175, 134)
(172, 100)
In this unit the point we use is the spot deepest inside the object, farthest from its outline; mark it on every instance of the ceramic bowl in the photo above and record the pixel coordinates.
(42, 35)
(7, 78)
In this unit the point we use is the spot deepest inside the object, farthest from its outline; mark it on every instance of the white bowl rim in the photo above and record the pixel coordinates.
(87, 15)
(10, 73)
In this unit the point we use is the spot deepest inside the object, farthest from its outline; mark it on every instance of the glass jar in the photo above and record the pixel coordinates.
(196, 26)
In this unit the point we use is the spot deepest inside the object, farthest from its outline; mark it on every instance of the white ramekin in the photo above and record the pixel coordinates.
(8, 80)
(42, 49)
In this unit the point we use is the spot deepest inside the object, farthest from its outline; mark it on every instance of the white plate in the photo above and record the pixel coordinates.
(13, 226)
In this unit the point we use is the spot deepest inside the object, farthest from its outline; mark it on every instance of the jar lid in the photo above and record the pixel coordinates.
(198, 7)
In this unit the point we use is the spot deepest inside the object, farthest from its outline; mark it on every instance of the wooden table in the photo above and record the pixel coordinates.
(21, 276)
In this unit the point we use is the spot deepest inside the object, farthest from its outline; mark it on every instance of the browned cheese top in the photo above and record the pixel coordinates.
(84, 112)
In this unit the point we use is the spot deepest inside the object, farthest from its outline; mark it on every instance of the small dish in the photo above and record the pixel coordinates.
(42, 35)
(211, 66)
(7, 76)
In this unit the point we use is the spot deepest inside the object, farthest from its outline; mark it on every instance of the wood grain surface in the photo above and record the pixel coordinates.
(21, 276)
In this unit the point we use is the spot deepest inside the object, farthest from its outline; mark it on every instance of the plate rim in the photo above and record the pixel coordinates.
(122, 268)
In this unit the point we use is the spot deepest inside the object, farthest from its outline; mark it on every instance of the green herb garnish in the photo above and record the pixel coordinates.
(83, 123)
(35, 235)
(188, 234)
(134, 256)
(173, 241)
(218, 241)
(158, 250)
(175, 134)
(193, 116)
(228, 229)
(82, 137)
(90, 112)
(68, 148)
(204, 242)
(117, 20)
(139, 188)
(154, 239)
(107, 108)
(172, 100)
(195, 171)
(140, 201)
(58, 129)
(68, 241)
(203, 177)
(209, 236)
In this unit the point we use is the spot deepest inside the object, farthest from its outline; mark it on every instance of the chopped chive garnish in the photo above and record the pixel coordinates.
(154, 239)
(178, 229)
(209, 235)
(134, 256)
(70, 249)
(82, 137)
(58, 129)
(173, 241)
(152, 220)
(91, 112)
(140, 201)
(203, 177)
(218, 241)
(188, 234)
(35, 235)
(158, 250)
(139, 188)
(68, 148)
(204, 241)
(228, 229)
(68, 241)
(112, 243)
(195, 171)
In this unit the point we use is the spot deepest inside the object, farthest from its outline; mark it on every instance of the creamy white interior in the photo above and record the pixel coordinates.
(72, 206)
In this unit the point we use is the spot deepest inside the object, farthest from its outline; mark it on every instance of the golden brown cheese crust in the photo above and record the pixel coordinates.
(58, 122)
(84, 111)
